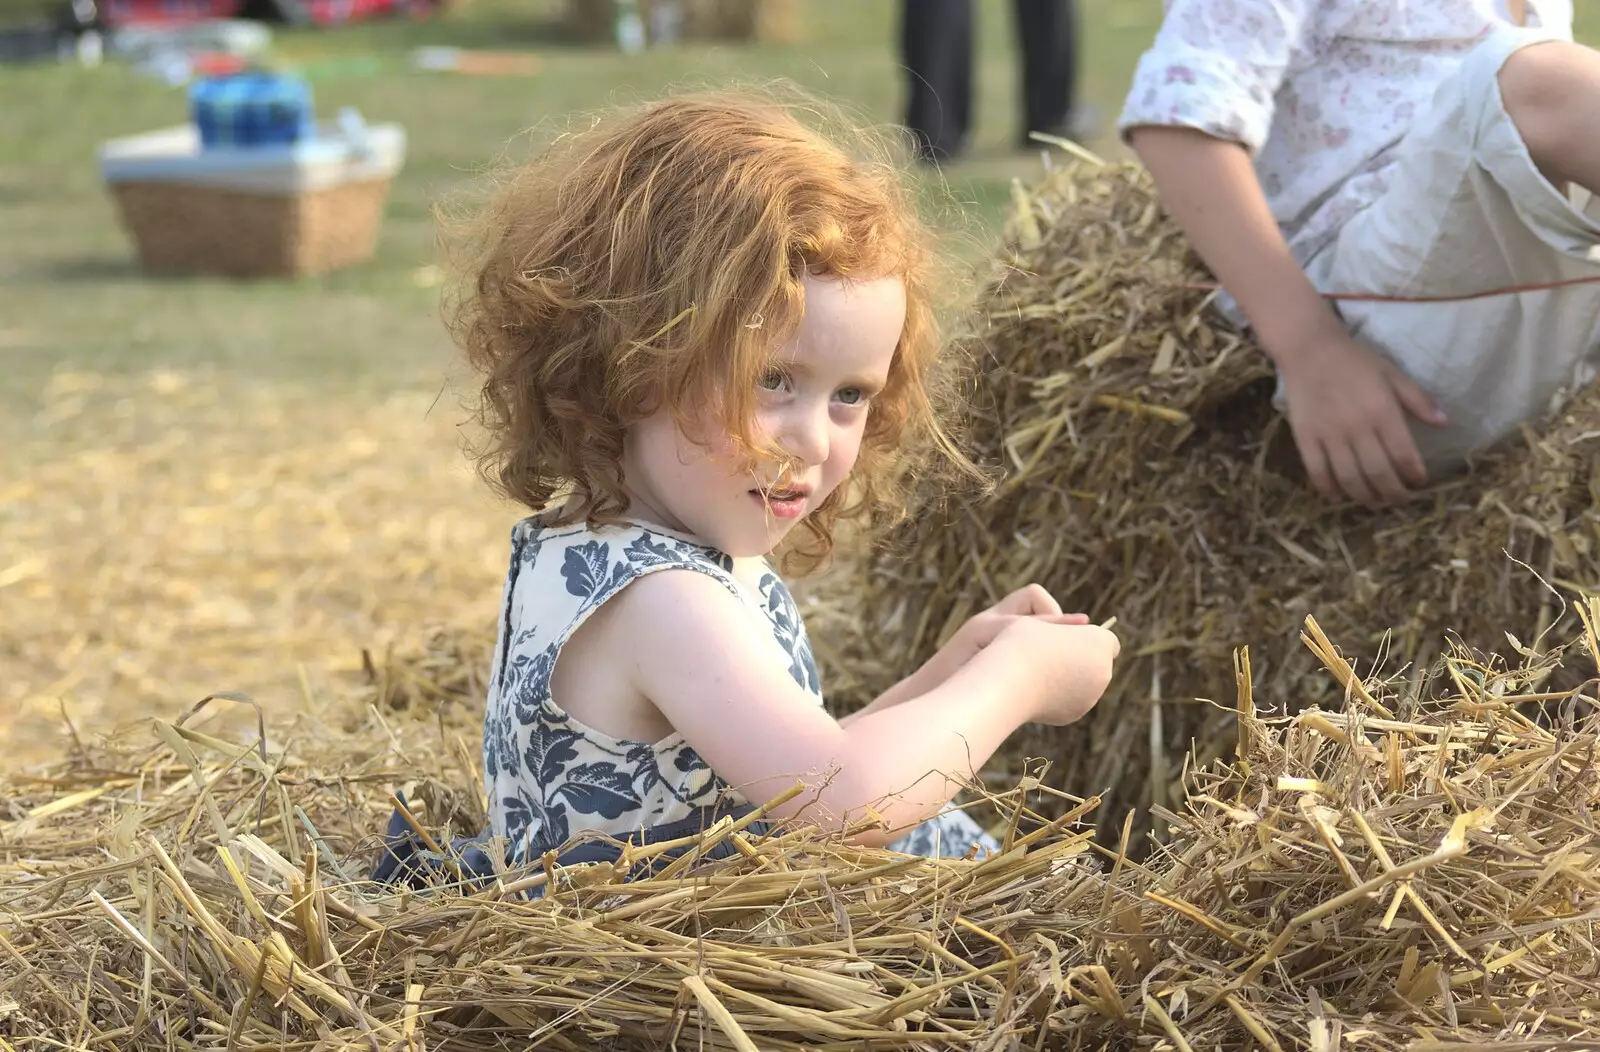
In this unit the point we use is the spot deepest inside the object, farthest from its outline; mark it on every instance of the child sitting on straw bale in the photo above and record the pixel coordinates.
(706, 331)
(1382, 188)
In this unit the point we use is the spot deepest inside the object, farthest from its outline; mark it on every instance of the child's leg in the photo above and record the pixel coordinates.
(1551, 93)
(1467, 211)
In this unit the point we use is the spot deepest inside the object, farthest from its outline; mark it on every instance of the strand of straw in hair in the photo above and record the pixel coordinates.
(1373, 297)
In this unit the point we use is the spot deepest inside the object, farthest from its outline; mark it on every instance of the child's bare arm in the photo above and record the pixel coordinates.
(699, 657)
(1210, 187)
(1346, 403)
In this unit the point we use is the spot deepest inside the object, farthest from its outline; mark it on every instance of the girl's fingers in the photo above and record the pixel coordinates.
(1030, 601)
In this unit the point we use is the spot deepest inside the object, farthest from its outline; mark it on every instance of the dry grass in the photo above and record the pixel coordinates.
(1147, 478)
(1410, 872)
(169, 536)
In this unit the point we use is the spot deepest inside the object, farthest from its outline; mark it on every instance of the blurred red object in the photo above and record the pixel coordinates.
(316, 12)
(166, 12)
(216, 63)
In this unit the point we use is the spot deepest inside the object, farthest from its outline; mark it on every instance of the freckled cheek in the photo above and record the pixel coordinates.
(724, 455)
(844, 451)
(766, 425)
(708, 443)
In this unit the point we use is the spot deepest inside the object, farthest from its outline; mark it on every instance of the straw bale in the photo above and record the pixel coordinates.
(1146, 477)
(1414, 871)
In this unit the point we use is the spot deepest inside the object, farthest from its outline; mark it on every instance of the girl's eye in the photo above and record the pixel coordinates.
(774, 380)
(851, 395)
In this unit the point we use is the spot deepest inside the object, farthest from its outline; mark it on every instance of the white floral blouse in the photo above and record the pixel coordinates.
(550, 777)
(1320, 91)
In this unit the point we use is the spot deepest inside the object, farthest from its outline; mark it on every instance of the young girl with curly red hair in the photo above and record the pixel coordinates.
(706, 331)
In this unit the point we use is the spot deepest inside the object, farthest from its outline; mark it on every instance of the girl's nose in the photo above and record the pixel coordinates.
(805, 435)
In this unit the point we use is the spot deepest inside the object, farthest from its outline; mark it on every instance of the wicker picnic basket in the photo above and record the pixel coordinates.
(288, 212)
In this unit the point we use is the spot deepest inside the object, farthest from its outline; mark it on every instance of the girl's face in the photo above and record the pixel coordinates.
(813, 404)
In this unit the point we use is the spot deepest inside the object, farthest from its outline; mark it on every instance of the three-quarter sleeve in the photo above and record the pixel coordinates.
(1216, 66)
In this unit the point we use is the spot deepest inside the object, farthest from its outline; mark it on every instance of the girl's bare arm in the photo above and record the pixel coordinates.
(699, 657)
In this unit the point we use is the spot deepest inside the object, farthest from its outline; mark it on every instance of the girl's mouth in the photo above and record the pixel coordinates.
(783, 503)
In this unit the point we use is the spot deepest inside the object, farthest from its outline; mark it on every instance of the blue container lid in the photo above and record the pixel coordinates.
(251, 108)
(249, 85)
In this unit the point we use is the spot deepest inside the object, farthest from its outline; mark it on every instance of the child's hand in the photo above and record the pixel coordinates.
(981, 629)
(1069, 665)
(1347, 407)
(970, 639)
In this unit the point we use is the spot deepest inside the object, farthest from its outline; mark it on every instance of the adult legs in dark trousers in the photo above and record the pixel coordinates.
(936, 41)
(936, 49)
(1048, 38)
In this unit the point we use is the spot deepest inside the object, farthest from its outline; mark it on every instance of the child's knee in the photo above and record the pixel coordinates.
(1548, 90)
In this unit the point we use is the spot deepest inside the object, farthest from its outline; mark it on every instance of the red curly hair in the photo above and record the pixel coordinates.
(656, 256)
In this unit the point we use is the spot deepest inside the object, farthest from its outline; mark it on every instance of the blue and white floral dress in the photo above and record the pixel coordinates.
(551, 778)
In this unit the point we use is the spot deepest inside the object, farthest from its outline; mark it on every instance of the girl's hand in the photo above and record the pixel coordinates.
(1068, 665)
(981, 629)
